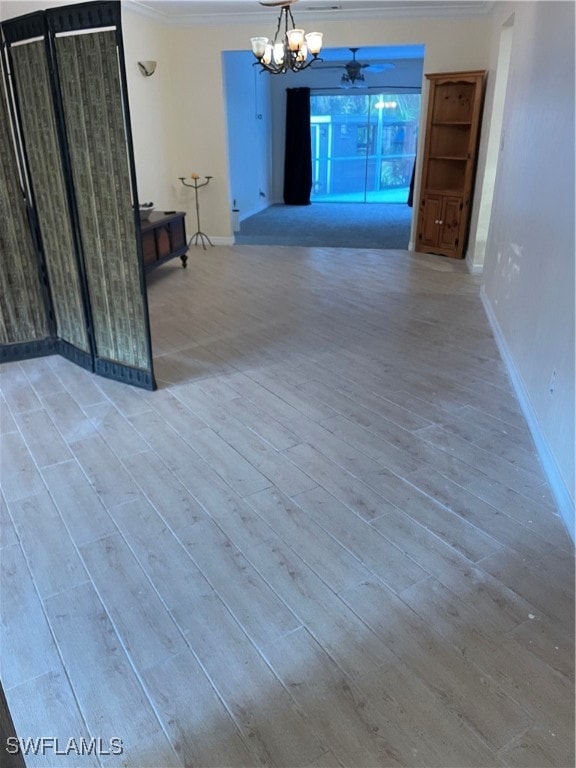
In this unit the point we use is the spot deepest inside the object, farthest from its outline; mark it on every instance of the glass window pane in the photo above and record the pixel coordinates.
(363, 146)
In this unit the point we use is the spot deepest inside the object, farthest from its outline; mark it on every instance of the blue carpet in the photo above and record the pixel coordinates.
(329, 225)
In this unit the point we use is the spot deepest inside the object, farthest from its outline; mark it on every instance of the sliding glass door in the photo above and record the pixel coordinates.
(363, 146)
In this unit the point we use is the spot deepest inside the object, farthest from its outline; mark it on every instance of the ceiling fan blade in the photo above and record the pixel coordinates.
(379, 67)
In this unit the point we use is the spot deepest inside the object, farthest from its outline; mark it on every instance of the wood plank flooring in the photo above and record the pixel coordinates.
(326, 540)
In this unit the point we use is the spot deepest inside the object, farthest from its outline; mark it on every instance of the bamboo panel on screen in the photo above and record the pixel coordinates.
(93, 110)
(23, 318)
(41, 141)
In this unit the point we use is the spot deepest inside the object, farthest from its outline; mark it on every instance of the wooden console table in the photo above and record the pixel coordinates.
(163, 238)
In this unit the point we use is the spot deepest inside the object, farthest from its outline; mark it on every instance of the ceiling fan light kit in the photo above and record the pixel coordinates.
(347, 80)
(288, 50)
(353, 72)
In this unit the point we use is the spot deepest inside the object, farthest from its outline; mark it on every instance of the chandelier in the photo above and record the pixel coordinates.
(290, 48)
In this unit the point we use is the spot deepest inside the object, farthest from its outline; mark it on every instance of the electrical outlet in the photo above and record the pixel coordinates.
(552, 382)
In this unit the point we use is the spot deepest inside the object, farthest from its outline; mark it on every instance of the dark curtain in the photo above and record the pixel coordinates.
(298, 150)
(410, 200)
(411, 190)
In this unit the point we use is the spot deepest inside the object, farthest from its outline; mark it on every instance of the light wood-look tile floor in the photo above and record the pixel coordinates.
(326, 540)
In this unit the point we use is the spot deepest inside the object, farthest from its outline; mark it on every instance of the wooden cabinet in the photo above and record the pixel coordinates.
(163, 238)
(441, 221)
(449, 163)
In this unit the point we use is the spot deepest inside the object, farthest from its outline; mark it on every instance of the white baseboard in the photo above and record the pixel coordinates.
(560, 490)
(252, 211)
(474, 269)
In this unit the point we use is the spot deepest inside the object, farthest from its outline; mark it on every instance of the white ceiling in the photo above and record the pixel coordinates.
(210, 11)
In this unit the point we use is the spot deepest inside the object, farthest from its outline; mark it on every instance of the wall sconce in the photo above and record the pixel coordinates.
(147, 67)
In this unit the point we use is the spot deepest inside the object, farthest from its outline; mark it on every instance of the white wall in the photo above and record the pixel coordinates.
(150, 109)
(249, 132)
(529, 276)
(10, 9)
(179, 115)
(489, 143)
(180, 112)
(195, 96)
(450, 45)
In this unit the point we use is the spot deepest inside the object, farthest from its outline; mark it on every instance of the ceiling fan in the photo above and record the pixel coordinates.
(354, 69)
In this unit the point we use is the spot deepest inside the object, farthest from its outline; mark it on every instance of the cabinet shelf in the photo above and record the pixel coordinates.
(456, 191)
(451, 122)
(449, 157)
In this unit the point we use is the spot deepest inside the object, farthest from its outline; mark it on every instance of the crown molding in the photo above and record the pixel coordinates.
(196, 12)
(192, 17)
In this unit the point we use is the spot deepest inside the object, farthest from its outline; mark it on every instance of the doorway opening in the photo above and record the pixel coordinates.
(382, 159)
(363, 146)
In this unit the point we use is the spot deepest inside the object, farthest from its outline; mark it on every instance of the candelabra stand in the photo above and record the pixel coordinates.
(198, 235)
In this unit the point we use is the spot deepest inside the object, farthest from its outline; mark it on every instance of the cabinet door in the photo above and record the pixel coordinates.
(449, 224)
(163, 242)
(430, 214)
(177, 234)
(149, 247)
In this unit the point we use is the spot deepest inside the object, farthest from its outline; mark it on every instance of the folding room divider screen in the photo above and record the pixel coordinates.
(71, 277)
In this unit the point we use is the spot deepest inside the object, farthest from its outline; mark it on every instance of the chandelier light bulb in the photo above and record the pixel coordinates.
(278, 53)
(314, 42)
(258, 46)
(295, 39)
(302, 54)
(267, 57)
